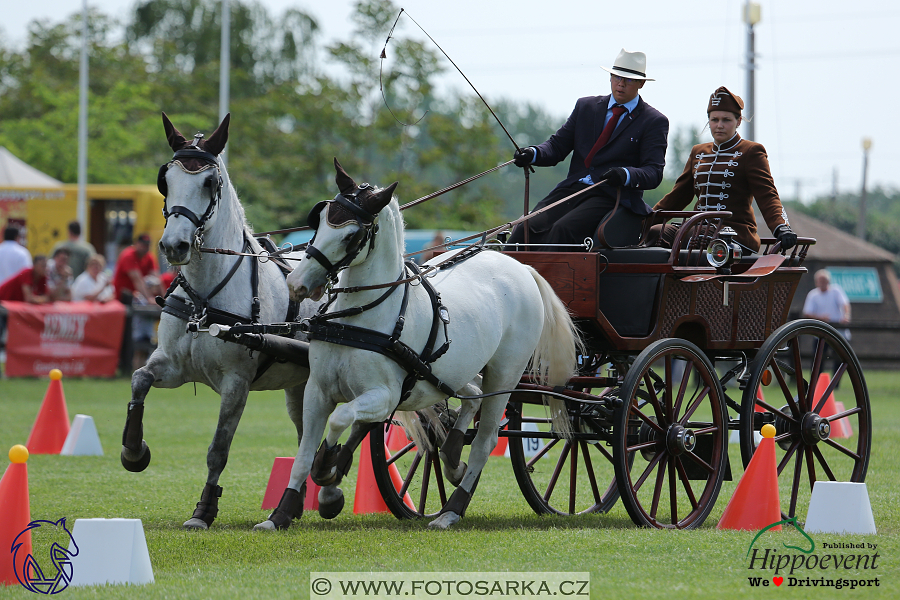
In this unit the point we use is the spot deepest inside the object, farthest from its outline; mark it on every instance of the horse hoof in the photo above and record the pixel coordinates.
(136, 465)
(329, 510)
(445, 521)
(193, 523)
(455, 476)
(264, 526)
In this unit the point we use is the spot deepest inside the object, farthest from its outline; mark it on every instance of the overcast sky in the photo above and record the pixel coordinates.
(826, 68)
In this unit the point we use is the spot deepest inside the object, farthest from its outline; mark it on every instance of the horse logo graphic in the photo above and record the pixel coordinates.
(29, 571)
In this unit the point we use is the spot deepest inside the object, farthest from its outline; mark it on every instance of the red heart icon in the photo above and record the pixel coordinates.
(778, 580)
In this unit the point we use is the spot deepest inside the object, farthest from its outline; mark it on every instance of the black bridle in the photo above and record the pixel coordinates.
(366, 221)
(213, 181)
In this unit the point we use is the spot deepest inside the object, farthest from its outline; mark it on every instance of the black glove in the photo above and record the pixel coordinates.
(615, 177)
(786, 236)
(524, 157)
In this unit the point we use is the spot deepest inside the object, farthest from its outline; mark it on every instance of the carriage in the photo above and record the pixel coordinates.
(687, 349)
(684, 349)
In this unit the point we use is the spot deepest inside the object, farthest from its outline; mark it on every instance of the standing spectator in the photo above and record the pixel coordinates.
(13, 256)
(135, 263)
(93, 285)
(79, 250)
(59, 276)
(828, 303)
(28, 285)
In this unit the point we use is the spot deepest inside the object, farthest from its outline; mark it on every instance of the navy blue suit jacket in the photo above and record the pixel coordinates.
(639, 143)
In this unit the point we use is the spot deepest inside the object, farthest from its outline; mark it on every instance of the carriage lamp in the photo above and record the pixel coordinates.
(723, 251)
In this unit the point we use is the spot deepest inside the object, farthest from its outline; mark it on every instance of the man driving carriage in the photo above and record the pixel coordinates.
(619, 139)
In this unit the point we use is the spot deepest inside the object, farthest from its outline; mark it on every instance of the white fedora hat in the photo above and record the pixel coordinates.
(631, 65)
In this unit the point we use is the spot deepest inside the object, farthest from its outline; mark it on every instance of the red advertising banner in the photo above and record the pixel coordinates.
(78, 338)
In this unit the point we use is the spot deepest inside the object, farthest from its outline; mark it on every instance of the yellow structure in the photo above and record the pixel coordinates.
(116, 214)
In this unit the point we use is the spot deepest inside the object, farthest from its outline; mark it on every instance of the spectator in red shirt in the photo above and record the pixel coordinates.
(135, 263)
(28, 285)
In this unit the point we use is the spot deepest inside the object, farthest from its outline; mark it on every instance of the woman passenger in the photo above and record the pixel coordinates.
(727, 174)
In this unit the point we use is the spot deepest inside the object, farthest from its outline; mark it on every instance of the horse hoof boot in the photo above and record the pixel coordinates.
(331, 508)
(445, 521)
(264, 526)
(138, 464)
(324, 468)
(194, 523)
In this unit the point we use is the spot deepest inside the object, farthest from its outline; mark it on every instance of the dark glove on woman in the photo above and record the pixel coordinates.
(524, 157)
(615, 177)
(785, 235)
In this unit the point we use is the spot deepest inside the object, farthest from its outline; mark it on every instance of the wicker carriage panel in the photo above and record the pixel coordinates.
(782, 290)
(677, 304)
(752, 314)
(718, 315)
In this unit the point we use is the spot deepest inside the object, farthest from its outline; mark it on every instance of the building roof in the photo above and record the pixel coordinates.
(832, 244)
(16, 173)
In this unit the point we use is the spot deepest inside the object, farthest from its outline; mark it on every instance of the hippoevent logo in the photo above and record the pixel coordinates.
(50, 543)
(802, 566)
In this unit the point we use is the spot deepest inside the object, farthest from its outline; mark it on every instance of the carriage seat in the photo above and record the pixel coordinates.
(620, 228)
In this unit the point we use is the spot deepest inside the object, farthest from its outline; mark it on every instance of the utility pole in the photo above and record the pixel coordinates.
(225, 67)
(861, 223)
(81, 203)
(751, 16)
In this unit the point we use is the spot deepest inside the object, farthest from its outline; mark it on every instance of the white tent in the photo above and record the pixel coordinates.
(15, 173)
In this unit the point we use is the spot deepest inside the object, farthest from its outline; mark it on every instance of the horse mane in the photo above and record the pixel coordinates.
(397, 222)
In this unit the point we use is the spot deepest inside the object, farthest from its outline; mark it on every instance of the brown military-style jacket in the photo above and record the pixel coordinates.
(729, 178)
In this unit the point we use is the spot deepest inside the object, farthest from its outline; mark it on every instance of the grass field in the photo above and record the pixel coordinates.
(499, 533)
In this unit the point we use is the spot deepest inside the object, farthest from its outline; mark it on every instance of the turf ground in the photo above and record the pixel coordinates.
(499, 533)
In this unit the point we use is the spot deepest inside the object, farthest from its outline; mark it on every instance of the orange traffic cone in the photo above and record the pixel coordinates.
(367, 498)
(51, 428)
(279, 479)
(759, 396)
(829, 408)
(843, 423)
(755, 503)
(16, 514)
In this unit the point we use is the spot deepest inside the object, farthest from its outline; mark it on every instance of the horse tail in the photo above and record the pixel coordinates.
(415, 429)
(554, 360)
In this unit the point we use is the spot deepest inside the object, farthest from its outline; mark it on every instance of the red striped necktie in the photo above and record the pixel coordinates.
(617, 111)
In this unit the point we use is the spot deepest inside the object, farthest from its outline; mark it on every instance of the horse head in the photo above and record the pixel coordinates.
(30, 573)
(191, 184)
(345, 238)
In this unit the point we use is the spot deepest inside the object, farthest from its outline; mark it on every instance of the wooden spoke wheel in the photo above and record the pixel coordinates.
(823, 423)
(410, 479)
(672, 418)
(563, 477)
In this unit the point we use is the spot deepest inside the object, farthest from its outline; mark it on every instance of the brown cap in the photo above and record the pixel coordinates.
(722, 99)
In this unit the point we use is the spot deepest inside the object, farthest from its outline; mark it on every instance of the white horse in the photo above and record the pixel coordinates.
(500, 315)
(202, 207)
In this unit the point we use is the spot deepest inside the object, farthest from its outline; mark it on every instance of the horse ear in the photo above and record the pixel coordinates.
(374, 203)
(216, 142)
(173, 136)
(344, 182)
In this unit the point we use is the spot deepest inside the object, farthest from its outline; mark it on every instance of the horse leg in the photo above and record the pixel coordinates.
(331, 498)
(234, 391)
(135, 455)
(290, 507)
(484, 442)
(451, 449)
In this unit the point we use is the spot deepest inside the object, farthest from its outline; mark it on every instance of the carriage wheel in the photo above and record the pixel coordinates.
(410, 480)
(810, 435)
(561, 477)
(673, 415)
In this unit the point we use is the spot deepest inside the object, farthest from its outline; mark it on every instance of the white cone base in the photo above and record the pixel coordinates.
(82, 439)
(839, 507)
(110, 551)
